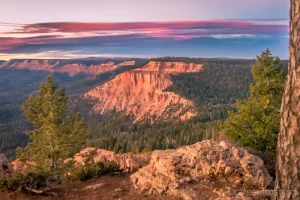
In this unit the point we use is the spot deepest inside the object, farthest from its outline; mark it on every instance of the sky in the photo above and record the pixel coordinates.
(143, 28)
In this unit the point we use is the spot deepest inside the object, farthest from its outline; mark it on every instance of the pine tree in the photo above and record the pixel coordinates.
(56, 134)
(256, 122)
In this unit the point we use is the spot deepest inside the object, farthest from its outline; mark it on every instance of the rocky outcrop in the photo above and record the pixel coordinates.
(128, 162)
(207, 162)
(72, 68)
(20, 166)
(140, 92)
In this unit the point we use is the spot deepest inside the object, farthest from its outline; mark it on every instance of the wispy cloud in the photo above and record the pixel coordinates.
(65, 55)
(39, 39)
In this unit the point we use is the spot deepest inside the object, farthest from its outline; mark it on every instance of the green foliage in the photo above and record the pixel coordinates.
(97, 169)
(56, 134)
(40, 179)
(13, 181)
(215, 88)
(256, 122)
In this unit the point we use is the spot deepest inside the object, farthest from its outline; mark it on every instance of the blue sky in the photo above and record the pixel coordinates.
(137, 28)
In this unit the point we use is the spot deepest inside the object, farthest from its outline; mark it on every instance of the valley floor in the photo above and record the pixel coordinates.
(113, 187)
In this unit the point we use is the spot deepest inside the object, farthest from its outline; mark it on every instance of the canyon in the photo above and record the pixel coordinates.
(141, 93)
(70, 67)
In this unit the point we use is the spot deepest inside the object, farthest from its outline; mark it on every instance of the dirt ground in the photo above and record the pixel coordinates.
(114, 188)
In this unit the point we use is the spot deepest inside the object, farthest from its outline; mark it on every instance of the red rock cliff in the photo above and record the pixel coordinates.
(140, 92)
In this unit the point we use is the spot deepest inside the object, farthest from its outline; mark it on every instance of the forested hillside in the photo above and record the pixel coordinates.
(214, 90)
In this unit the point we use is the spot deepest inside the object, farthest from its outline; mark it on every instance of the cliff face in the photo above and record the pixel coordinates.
(72, 68)
(140, 92)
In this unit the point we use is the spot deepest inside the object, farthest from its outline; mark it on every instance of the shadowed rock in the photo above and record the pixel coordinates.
(4, 165)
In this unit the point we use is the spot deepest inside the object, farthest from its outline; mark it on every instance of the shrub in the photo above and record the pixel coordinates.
(82, 173)
(12, 182)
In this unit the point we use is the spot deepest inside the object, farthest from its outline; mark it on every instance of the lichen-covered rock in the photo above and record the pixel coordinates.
(222, 162)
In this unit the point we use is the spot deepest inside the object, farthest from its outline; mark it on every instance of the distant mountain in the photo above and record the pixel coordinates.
(114, 58)
(21, 77)
(70, 67)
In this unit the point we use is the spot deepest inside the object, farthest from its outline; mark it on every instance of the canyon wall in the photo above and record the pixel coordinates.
(140, 92)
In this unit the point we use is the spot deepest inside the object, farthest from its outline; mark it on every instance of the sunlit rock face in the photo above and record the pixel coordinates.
(171, 172)
(140, 92)
(61, 66)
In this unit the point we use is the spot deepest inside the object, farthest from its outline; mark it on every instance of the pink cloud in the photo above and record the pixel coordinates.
(114, 34)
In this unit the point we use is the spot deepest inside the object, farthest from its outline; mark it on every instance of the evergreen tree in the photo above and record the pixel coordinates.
(256, 122)
(56, 134)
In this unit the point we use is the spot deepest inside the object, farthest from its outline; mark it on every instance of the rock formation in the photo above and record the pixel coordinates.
(128, 162)
(72, 68)
(140, 92)
(208, 162)
(19, 166)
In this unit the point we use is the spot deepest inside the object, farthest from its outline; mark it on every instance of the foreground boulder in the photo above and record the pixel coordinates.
(208, 163)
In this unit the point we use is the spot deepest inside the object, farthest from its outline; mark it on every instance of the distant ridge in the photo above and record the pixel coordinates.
(70, 67)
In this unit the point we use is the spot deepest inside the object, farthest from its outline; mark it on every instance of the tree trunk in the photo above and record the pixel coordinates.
(288, 149)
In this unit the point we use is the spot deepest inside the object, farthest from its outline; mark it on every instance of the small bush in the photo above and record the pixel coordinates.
(82, 173)
(12, 182)
(41, 179)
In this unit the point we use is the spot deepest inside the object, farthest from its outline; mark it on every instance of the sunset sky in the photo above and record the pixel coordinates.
(143, 28)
